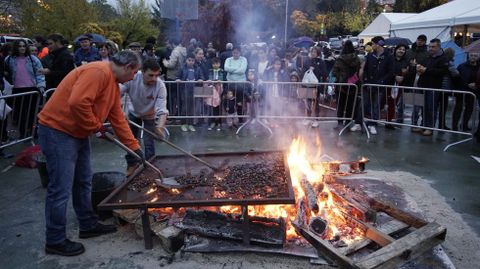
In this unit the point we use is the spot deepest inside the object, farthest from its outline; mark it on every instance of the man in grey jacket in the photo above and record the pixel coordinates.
(147, 103)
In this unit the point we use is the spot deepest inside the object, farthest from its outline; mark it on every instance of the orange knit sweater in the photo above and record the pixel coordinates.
(85, 98)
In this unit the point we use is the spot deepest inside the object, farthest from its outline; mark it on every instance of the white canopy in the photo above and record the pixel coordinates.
(441, 22)
(380, 26)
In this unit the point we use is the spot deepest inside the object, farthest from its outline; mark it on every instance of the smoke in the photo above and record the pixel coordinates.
(252, 21)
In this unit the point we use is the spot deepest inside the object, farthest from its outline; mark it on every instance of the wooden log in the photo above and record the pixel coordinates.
(310, 195)
(389, 228)
(405, 248)
(326, 249)
(171, 238)
(301, 219)
(371, 232)
(128, 215)
(139, 225)
(396, 213)
(352, 206)
(318, 226)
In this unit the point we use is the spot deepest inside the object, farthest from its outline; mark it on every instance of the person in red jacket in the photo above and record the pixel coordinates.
(83, 101)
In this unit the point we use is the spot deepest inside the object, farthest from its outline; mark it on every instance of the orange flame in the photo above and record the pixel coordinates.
(305, 164)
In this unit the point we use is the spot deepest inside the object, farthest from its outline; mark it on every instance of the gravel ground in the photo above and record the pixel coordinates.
(125, 250)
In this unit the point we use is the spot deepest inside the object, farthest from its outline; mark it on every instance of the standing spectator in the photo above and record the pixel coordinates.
(135, 47)
(272, 55)
(61, 61)
(86, 53)
(230, 106)
(174, 64)
(346, 70)
(33, 50)
(394, 95)
(23, 72)
(189, 72)
(202, 64)
(378, 70)
(224, 55)
(468, 76)
(317, 65)
(477, 93)
(236, 67)
(42, 47)
(105, 52)
(3, 123)
(431, 76)
(417, 54)
(262, 63)
(448, 83)
(213, 103)
(148, 105)
(149, 52)
(274, 91)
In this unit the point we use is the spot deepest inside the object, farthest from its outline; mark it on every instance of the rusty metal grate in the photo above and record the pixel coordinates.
(202, 195)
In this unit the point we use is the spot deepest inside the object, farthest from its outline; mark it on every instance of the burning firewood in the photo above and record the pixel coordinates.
(301, 219)
(310, 195)
(318, 226)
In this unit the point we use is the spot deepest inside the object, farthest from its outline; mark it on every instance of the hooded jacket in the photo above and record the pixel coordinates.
(345, 66)
(176, 61)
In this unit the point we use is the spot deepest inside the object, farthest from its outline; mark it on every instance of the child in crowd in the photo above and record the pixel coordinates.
(189, 72)
(230, 106)
(213, 103)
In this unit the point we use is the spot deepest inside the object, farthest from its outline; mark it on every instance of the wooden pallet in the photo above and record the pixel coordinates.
(392, 253)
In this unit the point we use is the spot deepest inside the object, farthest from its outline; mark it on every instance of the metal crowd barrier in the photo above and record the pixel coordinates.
(421, 108)
(47, 94)
(194, 102)
(18, 117)
(191, 102)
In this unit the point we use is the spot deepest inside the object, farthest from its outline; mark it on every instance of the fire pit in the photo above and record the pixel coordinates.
(249, 178)
(282, 203)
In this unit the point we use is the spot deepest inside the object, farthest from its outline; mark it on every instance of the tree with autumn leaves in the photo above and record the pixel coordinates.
(219, 21)
(130, 21)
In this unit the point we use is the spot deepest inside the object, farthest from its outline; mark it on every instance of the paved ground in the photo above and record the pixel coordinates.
(453, 176)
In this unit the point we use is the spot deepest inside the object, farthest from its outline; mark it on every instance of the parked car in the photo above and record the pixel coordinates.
(336, 43)
(11, 38)
(355, 41)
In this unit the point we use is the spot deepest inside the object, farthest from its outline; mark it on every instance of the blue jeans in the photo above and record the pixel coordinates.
(372, 103)
(69, 170)
(148, 140)
(430, 108)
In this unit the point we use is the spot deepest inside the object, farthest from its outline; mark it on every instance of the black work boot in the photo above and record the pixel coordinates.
(67, 248)
(99, 229)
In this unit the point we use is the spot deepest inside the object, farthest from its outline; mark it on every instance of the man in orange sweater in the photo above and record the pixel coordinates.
(82, 102)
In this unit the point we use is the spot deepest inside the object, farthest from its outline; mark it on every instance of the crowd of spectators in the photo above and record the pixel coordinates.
(424, 64)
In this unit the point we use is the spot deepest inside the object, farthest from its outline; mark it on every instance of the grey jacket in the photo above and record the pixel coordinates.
(177, 60)
(146, 102)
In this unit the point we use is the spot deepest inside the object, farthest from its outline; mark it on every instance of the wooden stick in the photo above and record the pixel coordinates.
(397, 213)
(326, 249)
(405, 248)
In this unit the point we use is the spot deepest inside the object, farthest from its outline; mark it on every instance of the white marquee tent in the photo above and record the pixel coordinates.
(461, 16)
(380, 26)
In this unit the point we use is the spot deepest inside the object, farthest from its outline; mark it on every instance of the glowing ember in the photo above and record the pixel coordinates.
(364, 160)
(151, 190)
(154, 199)
(175, 191)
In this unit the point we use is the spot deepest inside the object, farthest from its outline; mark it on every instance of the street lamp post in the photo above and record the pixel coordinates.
(286, 23)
